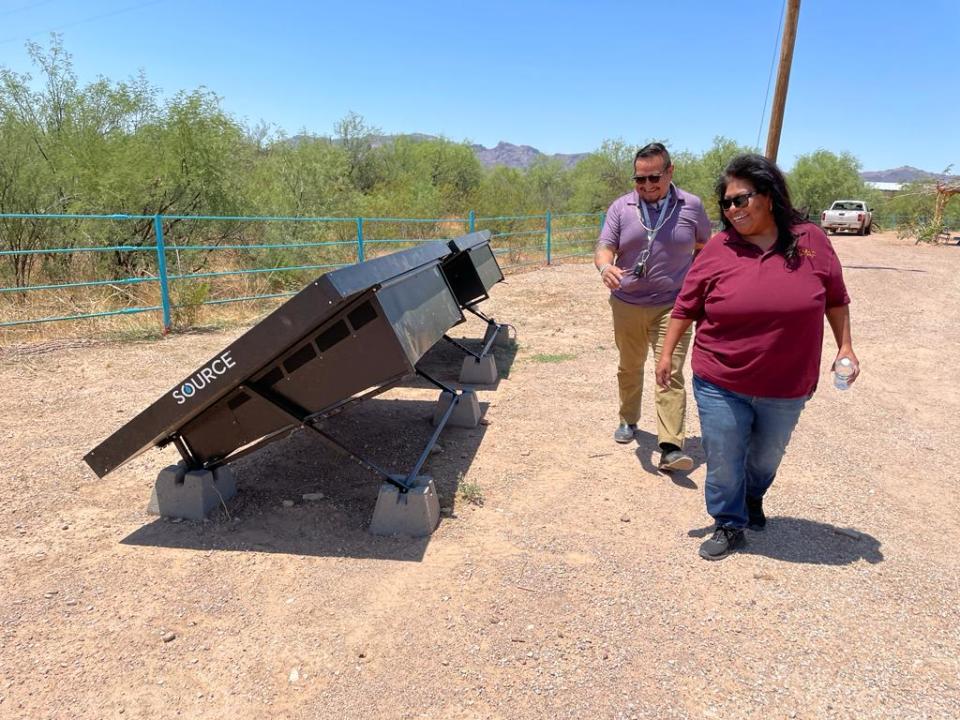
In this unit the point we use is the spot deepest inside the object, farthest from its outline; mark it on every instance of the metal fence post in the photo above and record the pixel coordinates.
(162, 272)
(360, 240)
(603, 220)
(549, 238)
(473, 221)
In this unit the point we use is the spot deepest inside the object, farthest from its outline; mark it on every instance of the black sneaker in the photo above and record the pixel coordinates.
(756, 520)
(724, 541)
(673, 458)
(625, 433)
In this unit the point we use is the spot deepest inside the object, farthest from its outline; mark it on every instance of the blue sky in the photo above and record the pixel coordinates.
(875, 78)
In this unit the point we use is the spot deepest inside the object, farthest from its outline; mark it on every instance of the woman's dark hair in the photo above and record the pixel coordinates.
(768, 180)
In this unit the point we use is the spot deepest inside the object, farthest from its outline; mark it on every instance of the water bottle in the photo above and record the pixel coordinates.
(843, 369)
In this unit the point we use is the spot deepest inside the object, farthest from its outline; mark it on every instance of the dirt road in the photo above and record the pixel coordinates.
(574, 591)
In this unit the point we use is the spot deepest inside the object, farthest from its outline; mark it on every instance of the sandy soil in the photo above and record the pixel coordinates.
(574, 591)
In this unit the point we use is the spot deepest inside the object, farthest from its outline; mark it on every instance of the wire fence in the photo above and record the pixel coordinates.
(71, 267)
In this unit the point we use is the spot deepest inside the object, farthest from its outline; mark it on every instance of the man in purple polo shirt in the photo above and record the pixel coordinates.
(644, 251)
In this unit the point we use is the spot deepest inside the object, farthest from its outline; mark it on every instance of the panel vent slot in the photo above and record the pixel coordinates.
(300, 358)
(362, 315)
(272, 377)
(332, 335)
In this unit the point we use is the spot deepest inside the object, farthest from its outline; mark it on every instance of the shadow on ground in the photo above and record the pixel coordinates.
(881, 267)
(799, 540)
(389, 432)
(648, 453)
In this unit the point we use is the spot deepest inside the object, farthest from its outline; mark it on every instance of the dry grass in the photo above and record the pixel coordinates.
(188, 298)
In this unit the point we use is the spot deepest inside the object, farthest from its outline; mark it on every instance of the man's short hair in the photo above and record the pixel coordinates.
(652, 149)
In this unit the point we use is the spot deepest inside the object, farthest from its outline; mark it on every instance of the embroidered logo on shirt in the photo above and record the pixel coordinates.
(806, 252)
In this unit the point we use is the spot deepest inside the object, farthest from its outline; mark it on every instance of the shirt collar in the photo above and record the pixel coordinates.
(735, 238)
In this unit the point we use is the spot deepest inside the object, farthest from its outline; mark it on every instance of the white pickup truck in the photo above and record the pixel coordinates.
(847, 215)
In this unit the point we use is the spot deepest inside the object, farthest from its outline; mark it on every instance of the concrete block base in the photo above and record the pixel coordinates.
(503, 336)
(479, 372)
(190, 494)
(465, 415)
(415, 513)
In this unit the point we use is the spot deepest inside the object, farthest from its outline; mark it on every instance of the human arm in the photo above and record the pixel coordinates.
(838, 309)
(675, 331)
(689, 307)
(839, 319)
(605, 255)
(604, 258)
(704, 229)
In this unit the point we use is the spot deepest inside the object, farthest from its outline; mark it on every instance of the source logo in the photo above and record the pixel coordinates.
(202, 378)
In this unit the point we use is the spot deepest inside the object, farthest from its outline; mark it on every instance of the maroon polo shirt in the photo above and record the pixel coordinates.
(759, 322)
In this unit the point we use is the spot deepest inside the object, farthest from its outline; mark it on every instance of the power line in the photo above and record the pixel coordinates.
(91, 18)
(773, 60)
(22, 8)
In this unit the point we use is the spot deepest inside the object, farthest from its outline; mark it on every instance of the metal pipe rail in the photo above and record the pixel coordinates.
(524, 240)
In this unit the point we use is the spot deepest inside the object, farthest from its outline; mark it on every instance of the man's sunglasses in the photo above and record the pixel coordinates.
(643, 179)
(740, 201)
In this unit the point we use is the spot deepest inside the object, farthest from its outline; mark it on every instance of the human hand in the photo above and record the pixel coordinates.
(662, 372)
(848, 353)
(611, 276)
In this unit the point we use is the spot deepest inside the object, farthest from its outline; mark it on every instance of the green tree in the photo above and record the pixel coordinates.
(549, 182)
(358, 140)
(309, 177)
(435, 174)
(112, 148)
(698, 174)
(601, 177)
(504, 191)
(820, 177)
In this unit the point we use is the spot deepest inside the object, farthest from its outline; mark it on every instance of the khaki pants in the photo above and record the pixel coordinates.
(635, 329)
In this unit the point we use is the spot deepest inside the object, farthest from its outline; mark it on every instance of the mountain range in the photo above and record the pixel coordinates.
(905, 174)
(523, 156)
(520, 156)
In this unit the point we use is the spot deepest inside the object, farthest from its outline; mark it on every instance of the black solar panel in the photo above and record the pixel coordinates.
(352, 330)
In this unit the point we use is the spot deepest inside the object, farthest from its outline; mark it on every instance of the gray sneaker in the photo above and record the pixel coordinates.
(625, 433)
(724, 541)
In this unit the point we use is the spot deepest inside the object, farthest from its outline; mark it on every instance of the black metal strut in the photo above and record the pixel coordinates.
(305, 419)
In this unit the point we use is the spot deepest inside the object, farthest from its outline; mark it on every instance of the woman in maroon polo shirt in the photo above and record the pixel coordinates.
(758, 292)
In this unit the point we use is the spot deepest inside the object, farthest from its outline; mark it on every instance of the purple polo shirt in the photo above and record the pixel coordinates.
(760, 323)
(670, 254)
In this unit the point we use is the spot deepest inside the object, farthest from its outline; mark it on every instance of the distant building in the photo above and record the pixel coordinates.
(887, 188)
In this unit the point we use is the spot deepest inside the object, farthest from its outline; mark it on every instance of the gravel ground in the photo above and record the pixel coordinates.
(573, 591)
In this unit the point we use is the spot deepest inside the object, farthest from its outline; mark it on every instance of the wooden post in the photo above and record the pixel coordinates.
(783, 78)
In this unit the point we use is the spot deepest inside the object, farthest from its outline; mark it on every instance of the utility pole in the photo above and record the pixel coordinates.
(783, 78)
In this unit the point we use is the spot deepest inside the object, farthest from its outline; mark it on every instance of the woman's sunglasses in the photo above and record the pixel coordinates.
(643, 179)
(740, 201)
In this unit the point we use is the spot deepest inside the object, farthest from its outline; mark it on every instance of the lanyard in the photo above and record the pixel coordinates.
(648, 224)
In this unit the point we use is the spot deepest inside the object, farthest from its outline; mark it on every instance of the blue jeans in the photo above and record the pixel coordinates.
(744, 438)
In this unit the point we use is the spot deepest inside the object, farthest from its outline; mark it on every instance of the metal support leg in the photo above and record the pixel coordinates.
(305, 419)
(435, 382)
(462, 348)
(491, 324)
(189, 460)
(411, 478)
(479, 314)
